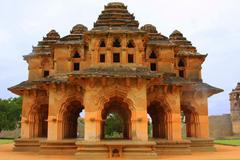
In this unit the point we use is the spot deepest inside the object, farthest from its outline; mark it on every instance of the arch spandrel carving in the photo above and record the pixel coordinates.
(67, 103)
(37, 103)
(162, 99)
(120, 93)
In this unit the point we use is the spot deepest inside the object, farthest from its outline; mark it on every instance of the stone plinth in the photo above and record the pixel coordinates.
(26, 145)
(202, 145)
(166, 147)
(58, 147)
(117, 148)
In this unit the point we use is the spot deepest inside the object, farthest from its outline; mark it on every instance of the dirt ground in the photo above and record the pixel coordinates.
(222, 153)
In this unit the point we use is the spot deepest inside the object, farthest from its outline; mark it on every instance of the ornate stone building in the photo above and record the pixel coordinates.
(115, 67)
(235, 109)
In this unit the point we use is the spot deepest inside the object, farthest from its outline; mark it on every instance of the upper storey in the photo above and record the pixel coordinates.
(115, 43)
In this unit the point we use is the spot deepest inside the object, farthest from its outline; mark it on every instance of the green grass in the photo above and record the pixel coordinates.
(6, 141)
(232, 142)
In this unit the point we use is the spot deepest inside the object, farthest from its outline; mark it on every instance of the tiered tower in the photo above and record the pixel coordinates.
(235, 109)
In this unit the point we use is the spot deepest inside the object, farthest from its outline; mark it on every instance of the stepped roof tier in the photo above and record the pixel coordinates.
(115, 16)
(181, 42)
(44, 47)
(156, 38)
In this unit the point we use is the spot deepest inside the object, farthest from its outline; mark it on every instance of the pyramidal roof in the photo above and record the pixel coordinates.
(115, 15)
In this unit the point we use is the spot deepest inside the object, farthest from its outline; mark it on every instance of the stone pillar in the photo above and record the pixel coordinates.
(54, 123)
(174, 118)
(92, 121)
(175, 132)
(140, 126)
(139, 116)
(92, 126)
(28, 102)
(202, 130)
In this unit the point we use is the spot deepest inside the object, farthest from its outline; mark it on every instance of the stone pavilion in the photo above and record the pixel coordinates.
(114, 67)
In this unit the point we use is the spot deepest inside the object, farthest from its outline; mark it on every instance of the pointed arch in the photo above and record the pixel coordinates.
(102, 43)
(68, 117)
(153, 55)
(191, 120)
(131, 44)
(117, 43)
(76, 55)
(181, 63)
(37, 118)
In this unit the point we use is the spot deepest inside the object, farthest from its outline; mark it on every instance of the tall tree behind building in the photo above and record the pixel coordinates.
(10, 113)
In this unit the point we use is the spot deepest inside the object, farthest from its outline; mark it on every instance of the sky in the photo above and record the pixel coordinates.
(212, 26)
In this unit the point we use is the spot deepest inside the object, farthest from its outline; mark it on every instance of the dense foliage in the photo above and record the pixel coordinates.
(114, 126)
(10, 112)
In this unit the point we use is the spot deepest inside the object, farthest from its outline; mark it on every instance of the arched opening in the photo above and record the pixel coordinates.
(76, 55)
(46, 65)
(86, 47)
(38, 121)
(115, 153)
(72, 120)
(116, 43)
(190, 122)
(153, 55)
(181, 63)
(116, 120)
(160, 120)
(130, 44)
(102, 44)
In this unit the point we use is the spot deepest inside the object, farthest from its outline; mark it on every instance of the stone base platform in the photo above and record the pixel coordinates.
(204, 145)
(26, 145)
(116, 148)
(166, 147)
(58, 147)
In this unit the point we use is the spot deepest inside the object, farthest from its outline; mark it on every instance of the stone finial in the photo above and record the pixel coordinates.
(176, 34)
(52, 35)
(79, 29)
(149, 28)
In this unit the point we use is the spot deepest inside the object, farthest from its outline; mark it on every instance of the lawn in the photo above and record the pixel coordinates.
(6, 141)
(232, 142)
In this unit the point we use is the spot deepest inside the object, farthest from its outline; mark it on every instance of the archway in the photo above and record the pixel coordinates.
(160, 120)
(121, 112)
(71, 119)
(38, 121)
(190, 122)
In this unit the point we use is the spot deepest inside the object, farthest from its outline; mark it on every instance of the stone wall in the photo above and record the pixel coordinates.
(10, 134)
(220, 126)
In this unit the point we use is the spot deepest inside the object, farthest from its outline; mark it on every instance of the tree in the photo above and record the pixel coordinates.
(10, 113)
(114, 126)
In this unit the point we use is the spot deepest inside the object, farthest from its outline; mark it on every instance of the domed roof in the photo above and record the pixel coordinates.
(52, 35)
(176, 35)
(115, 14)
(78, 29)
(149, 28)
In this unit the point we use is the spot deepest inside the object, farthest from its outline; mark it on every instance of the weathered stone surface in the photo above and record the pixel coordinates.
(115, 67)
(235, 109)
(220, 126)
